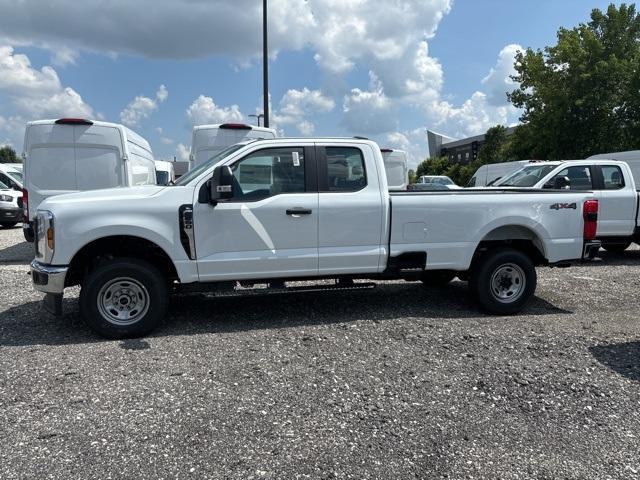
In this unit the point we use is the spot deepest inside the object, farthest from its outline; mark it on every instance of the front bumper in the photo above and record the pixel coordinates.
(11, 214)
(48, 278)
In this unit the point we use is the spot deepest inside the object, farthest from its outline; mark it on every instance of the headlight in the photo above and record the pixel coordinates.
(45, 236)
(6, 198)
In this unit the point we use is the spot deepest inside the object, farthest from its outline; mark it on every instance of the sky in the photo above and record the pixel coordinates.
(385, 69)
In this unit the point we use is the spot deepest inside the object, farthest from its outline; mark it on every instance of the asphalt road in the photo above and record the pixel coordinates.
(391, 383)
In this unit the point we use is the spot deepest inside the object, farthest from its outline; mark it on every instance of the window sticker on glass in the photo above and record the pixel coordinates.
(296, 159)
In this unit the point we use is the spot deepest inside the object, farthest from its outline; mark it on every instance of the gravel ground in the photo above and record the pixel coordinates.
(395, 382)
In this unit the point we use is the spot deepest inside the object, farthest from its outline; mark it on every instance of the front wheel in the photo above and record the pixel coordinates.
(503, 281)
(124, 298)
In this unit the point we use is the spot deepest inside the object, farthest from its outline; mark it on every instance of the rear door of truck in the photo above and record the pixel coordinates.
(352, 224)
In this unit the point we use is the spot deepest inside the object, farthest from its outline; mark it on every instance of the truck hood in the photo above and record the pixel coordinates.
(106, 195)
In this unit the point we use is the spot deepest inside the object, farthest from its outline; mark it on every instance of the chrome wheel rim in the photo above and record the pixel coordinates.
(508, 283)
(123, 301)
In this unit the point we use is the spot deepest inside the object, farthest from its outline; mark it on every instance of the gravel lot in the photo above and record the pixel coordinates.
(394, 382)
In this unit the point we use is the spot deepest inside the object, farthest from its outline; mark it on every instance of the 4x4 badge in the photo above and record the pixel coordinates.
(561, 206)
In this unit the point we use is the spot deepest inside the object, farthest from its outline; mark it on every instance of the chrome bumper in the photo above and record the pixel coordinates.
(48, 278)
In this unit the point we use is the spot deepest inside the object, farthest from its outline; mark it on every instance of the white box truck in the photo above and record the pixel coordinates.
(74, 154)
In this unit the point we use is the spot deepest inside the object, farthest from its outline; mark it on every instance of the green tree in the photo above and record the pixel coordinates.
(8, 155)
(433, 166)
(412, 176)
(494, 146)
(580, 96)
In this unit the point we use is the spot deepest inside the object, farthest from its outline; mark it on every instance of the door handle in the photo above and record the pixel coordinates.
(298, 211)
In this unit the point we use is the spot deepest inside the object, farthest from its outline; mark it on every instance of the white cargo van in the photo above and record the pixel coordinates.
(396, 166)
(72, 154)
(165, 173)
(209, 140)
(487, 175)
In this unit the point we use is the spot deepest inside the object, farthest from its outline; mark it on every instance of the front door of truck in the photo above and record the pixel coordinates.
(269, 229)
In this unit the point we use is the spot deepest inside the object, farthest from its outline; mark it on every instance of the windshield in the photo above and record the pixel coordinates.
(191, 174)
(15, 175)
(438, 180)
(525, 177)
(3, 186)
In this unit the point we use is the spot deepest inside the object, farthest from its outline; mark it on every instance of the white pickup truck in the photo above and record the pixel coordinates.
(268, 212)
(611, 182)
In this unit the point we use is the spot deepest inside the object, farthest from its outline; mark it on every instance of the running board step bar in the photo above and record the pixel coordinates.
(230, 290)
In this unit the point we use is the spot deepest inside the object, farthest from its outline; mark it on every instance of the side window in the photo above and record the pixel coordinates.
(345, 169)
(269, 172)
(613, 179)
(580, 177)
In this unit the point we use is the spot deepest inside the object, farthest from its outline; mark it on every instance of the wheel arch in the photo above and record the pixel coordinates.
(118, 246)
(517, 236)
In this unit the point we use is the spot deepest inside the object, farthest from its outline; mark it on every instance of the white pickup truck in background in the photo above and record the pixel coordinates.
(268, 212)
(611, 182)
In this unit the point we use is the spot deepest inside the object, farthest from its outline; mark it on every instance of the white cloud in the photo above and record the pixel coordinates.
(297, 105)
(498, 82)
(340, 33)
(182, 152)
(203, 111)
(34, 94)
(63, 56)
(162, 93)
(369, 112)
(141, 107)
(414, 142)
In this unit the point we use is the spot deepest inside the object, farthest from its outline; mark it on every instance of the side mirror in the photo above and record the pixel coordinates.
(221, 185)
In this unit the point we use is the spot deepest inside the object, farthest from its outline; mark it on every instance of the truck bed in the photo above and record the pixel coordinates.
(449, 224)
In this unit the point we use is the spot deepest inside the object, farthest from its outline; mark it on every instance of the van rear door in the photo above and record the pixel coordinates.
(65, 158)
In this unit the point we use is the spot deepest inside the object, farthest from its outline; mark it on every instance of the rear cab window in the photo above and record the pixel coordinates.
(613, 177)
(342, 169)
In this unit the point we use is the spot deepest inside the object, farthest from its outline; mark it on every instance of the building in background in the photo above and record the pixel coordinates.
(458, 151)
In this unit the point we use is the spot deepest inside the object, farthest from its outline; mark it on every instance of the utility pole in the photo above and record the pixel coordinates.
(265, 64)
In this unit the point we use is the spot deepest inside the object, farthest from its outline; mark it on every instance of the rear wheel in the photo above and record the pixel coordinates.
(9, 224)
(503, 281)
(616, 247)
(124, 298)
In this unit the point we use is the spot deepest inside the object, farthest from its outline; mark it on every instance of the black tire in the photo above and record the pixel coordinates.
(507, 268)
(616, 247)
(28, 234)
(437, 278)
(9, 224)
(136, 282)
